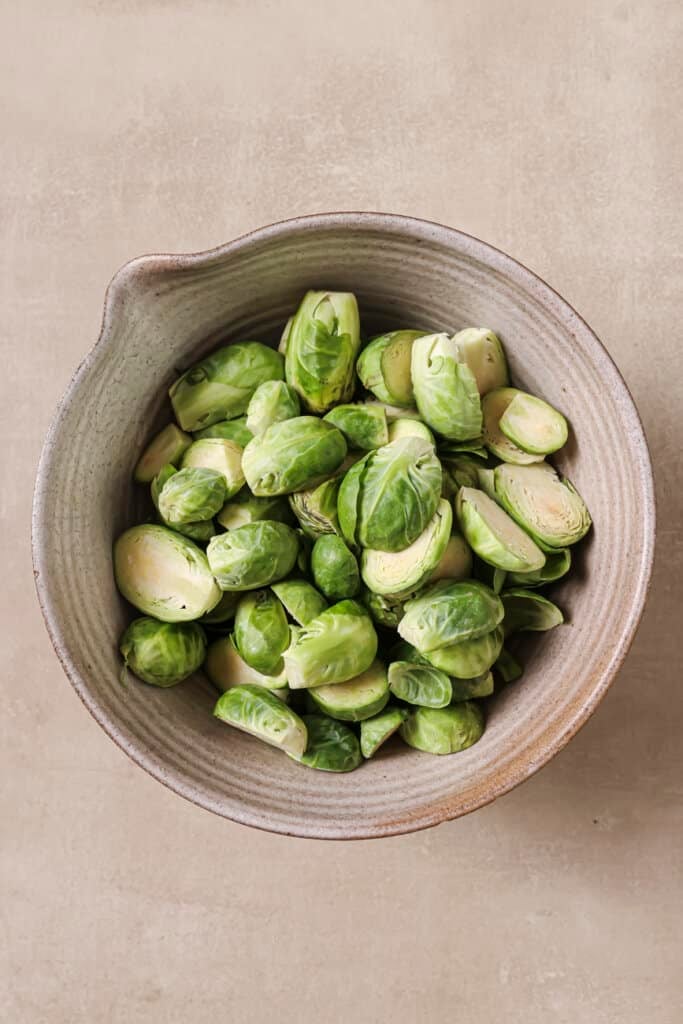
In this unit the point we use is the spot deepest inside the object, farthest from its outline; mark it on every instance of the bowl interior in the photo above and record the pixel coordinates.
(161, 314)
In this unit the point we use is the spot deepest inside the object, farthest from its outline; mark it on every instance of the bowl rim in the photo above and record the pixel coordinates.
(562, 730)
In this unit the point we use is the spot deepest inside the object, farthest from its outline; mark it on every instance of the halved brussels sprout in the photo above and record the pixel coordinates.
(399, 573)
(363, 426)
(448, 613)
(220, 455)
(163, 653)
(494, 535)
(301, 600)
(168, 446)
(334, 568)
(376, 730)
(444, 730)
(337, 645)
(456, 561)
(387, 499)
(226, 668)
(544, 503)
(557, 565)
(458, 471)
(200, 531)
(469, 658)
(293, 455)
(332, 747)
(472, 689)
(481, 349)
(253, 555)
(231, 430)
(164, 574)
(191, 495)
(245, 508)
(384, 367)
(507, 667)
(493, 407)
(272, 402)
(223, 612)
(284, 337)
(487, 482)
(533, 425)
(262, 631)
(419, 684)
(259, 713)
(525, 610)
(322, 346)
(359, 698)
(220, 385)
(385, 611)
(445, 389)
(316, 509)
(405, 427)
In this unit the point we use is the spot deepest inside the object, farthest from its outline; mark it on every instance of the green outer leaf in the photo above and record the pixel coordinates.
(557, 565)
(301, 600)
(419, 684)
(359, 698)
(472, 689)
(332, 747)
(294, 455)
(262, 631)
(448, 613)
(257, 712)
(444, 730)
(332, 648)
(469, 658)
(334, 568)
(322, 346)
(232, 430)
(364, 427)
(446, 392)
(376, 730)
(493, 534)
(253, 555)
(163, 653)
(528, 611)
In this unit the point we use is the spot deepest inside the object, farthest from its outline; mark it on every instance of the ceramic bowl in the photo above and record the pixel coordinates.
(161, 314)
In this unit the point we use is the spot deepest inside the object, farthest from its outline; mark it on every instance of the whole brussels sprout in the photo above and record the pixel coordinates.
(363, 426)
(376, 730)
(469, 658)
(357, 699)
(300, 599)
(384, 367)
(334, 568)
(166, 447)
(448, 613)
(164, 574)
(220, 385)
(493, 407)
(483, 353)
(545, 504)
(272, 402)
(256, 711)
(419, 684)
(253, 555)
(163, 653)
(388, 498)
(494, 535)
(526, 611)
(399, 573)
(245, 508)
(293, 455)
(316, 509)
(445, 389)
(191, 495)
(224, 457)
(444, 730)
(332, 747)
(231, 430)
(332, 648)
(322, 346)
(200, 531)
(533, 425)
(226, 668)
(261, 631)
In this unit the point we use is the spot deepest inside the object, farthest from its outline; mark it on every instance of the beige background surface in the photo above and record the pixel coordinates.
(551, 129)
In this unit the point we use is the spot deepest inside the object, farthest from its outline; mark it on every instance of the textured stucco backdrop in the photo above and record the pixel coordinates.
(550, 130)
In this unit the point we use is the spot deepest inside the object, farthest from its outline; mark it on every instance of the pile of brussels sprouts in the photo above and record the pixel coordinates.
(346, 534)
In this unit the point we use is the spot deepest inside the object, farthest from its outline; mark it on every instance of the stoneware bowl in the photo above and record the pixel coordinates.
(161, 314)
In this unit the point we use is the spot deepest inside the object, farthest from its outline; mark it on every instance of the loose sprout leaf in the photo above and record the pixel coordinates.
(533, 425)
(332, 747)
(259, 713)
(376, 730)
(448, 613)
(444, 730)
(419, 684)
(469, 658)
(529, 611)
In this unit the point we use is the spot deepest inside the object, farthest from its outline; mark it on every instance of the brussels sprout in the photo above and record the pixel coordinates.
(543, 503)
(245, 508)
(533, 425)
(167, 446)
(223, 612)
(419, 684)
(384, 367)
(410, 428)
(385, 611)
(332, 747)
(231, 430)
(261, 631)
(507, 667)
(198, 531)
(394, 412)
(399, 573)
(301, 600)
(163, 574)
(388, 498)
(472, 689)
(316, 509)
(220, 385)
(293, 455)
(272, 402)
(226, 668)
(448, 613)
(469, 658)
(526, 610)
(334, 568)
(456, 561)
(322, 346)
(458, 471)
(557, 565)
(487, 482)
(259, 713)
(482, 351)
(253, 555)
(445, 389)
(376, 730)
(443, 730)
(191, 495)
(337, 645)
(163, 653)
(284, 337)
(363, 426)
(361, 697)
(493, 407)
(475, 447)
(303, 559)
(220, 455)
(494, 535)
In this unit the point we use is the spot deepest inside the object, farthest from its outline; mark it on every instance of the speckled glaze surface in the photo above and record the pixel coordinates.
(163, 312)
